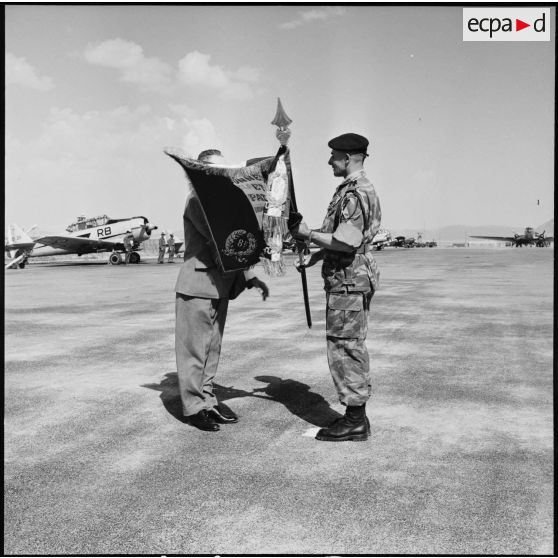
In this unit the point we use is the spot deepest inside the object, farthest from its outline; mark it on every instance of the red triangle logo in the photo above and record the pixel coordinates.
(519, 25)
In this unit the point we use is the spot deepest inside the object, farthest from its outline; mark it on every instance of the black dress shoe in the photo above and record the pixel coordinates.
(223, 416)
(204, 421)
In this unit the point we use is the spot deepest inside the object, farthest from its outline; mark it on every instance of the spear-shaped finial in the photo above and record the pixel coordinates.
(281, 119)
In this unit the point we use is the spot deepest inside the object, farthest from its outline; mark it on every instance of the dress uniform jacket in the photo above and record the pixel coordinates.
(199, 274)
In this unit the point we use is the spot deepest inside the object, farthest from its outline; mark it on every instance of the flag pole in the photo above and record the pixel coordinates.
(282, 122)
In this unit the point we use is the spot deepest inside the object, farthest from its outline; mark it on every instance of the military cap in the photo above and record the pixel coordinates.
(349, 143)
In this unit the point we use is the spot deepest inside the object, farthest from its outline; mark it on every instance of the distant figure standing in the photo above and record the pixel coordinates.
(170, 243)
(162, 248)
(128, 246)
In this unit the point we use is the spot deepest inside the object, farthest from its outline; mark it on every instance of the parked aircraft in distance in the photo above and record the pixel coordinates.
(422, 244)
(528, 238)
(381, 239)
(402, 242)
(85, 236)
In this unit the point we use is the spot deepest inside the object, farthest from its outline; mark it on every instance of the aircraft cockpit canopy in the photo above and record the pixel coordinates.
(82, 223)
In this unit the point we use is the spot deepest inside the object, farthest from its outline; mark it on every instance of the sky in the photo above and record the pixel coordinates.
(460, 132)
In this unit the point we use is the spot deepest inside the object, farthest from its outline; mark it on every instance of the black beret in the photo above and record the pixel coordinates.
(349, 143)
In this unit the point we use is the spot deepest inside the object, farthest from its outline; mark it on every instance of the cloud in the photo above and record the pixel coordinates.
(310, 16)
(99, 161)
(200, 135)
(128, 58)
(151, 73)
(183, 111)
(122, 134)
(105, 142)
(20, 72)
(195, 69)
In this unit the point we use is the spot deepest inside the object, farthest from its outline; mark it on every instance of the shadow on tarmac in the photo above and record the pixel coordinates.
(295, 396)
(298, 399)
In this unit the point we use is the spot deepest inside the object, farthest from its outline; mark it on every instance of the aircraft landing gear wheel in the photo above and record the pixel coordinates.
(134, 258)
(115, 258)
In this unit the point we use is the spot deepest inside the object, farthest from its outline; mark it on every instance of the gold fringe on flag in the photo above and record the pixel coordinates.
(275, 218)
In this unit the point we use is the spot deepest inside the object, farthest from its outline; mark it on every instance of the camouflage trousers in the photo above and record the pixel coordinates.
(346, 329)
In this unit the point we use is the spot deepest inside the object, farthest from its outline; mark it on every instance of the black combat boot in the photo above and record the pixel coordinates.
(342, 418)
(354, 427)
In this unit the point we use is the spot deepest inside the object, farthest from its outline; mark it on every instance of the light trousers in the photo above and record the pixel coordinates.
(200, 323)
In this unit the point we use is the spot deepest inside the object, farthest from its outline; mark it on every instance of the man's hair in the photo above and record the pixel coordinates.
(208, 153)
(360, 157)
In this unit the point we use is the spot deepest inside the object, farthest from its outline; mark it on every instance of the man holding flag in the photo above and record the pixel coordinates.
(203, 292)
(351, 276)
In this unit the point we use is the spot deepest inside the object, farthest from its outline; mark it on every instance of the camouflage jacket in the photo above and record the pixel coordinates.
(353, 217)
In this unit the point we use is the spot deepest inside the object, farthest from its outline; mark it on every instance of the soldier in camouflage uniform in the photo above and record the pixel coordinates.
(351, 277)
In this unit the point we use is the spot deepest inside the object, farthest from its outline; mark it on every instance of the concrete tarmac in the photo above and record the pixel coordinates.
(460, 461)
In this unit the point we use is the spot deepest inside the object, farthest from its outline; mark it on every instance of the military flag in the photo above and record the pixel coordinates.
(246, 209)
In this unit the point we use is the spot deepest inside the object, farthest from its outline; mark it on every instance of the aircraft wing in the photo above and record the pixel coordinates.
(76, 244)
(501, 238)
(19, 245)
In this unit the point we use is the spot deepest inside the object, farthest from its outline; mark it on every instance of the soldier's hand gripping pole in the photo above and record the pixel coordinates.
(283, 133)
(301, 248)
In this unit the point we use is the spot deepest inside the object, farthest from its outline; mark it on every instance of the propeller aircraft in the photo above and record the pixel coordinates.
(402, 242)
(528, 238)
(84, 236)
(381, 239)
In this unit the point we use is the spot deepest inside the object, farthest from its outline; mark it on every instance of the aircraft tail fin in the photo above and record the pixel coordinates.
(16, 235)
(17, 238)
